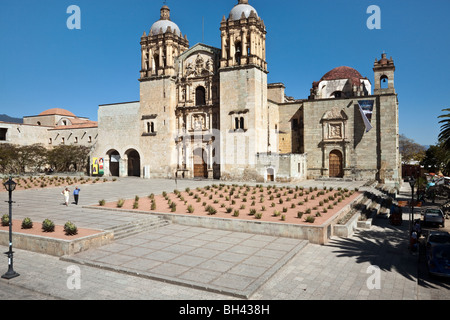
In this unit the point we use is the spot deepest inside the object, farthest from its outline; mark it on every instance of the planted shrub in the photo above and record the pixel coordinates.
(48, 226)
(153, 207)
(27, 223)
(190, 209)
(299, 214)
(310, 219)
(258, 215)
(173, 207)
(212, 211)
(70, 229)
(252, 212)
(102, 203)
(236, 213)
(229, 209)
(120, 203)
(5, 220)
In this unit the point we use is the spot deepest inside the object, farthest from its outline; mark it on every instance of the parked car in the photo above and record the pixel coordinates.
(433, 216)
(438, 260)
(437, 238)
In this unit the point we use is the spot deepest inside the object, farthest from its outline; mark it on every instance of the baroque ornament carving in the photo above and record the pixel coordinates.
(335, 114)
(200, 67)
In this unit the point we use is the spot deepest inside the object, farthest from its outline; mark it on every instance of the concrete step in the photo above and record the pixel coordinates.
(138, 226)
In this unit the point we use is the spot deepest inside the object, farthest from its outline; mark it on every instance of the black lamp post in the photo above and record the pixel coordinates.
(10, 185)
(412, 183)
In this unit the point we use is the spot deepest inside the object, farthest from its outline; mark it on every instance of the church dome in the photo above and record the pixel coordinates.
(164, 23)
(242, 7)
(343, 73)
(57, 111)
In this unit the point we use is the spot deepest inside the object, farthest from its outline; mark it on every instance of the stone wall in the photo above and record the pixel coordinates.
(243, 94)
(366, 155)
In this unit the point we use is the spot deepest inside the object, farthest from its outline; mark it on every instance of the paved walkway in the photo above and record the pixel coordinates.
(341, 269)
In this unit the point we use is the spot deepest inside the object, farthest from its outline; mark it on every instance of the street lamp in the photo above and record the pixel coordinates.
(10, 185)
(412, 183)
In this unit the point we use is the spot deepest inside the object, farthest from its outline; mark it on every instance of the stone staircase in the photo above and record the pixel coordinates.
(138, 226)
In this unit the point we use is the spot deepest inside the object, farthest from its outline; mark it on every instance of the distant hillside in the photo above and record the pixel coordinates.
(5, 118)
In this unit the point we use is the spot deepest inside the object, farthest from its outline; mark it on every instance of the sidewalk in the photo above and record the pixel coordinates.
(339, 270)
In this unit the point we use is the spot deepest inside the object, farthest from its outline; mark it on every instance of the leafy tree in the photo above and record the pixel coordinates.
(66, 158)
(444, 135)
(410, 150)
(8, 154)
(437, 159)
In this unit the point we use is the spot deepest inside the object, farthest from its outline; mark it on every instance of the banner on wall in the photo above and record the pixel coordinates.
(95, 166)
(100, 166)
(366, 109)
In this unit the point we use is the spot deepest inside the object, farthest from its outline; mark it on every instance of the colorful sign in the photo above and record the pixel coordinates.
(95, 166)
(100, 167)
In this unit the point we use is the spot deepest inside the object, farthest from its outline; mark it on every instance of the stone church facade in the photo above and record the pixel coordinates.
(210, 113)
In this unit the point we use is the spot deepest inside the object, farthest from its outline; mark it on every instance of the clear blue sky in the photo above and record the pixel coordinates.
(45, 65)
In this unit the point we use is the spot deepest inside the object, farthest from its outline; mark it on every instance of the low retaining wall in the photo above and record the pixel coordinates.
(317, 234)
(56, 247)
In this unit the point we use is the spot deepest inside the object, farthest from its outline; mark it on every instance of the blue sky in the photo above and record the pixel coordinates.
(45, 65)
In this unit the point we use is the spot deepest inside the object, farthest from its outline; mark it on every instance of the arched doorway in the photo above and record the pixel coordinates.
(134, 163)
(114, 159)
(200, 166)
(336, 167)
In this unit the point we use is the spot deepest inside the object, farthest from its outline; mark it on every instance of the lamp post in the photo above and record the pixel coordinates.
(10, 185)
(412, 183)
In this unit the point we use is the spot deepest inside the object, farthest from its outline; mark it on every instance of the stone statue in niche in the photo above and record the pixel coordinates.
(198, 122)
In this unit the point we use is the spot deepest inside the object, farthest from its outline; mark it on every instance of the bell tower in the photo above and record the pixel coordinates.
(243, 92)
(243, 38)
(384, 70)
(161, 46)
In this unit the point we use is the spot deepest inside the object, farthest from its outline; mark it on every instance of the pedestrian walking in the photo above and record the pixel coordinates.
(76, 194)
(66, 194)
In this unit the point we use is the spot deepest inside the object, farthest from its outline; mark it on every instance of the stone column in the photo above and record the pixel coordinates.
(107, 172)
(123, 167)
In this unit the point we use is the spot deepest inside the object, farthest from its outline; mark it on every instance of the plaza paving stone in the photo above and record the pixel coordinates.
(132, 268)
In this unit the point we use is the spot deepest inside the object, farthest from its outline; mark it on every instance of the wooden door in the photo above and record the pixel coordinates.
(200, 167)
(336, 168)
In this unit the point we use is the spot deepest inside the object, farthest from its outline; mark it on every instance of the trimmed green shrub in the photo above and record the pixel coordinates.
(120, 203)
(70, 228)
(27, 223)
(5, 220)
(48, 226)
(102, 203)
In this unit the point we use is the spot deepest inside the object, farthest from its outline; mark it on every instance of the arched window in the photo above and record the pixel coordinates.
(200, 96)
(384, 82)
(238, 54)
(156, 61)
(338, 94)
(242, 123)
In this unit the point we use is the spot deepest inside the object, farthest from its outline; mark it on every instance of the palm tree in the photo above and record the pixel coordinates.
(444, 135)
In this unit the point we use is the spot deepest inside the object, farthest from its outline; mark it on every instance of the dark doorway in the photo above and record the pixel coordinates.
(134, 164)
(114, 158)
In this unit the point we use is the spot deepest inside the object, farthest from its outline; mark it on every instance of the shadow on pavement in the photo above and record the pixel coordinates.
(385, 246)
